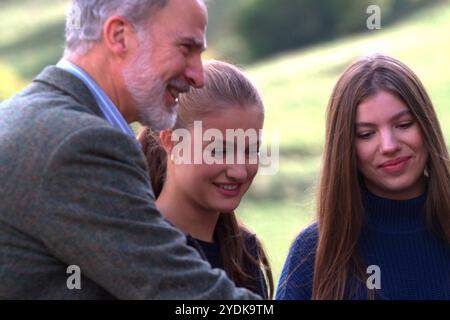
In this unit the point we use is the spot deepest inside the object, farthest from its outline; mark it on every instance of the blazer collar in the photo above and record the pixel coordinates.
(69, 84)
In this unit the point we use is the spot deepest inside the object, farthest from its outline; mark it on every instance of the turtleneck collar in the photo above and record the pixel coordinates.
(394, 216)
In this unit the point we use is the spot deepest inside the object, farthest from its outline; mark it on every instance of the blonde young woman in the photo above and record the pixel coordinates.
(383, 222)
(200, 198)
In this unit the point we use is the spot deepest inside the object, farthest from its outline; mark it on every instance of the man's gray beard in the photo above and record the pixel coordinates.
(160, 121)
(152, 111)
(147, 92)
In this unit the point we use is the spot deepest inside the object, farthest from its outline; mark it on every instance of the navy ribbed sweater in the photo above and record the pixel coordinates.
(413, 263)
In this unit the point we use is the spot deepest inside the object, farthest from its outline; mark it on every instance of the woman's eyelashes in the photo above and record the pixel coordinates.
(367, 134)
(249, 152)
(405, 124)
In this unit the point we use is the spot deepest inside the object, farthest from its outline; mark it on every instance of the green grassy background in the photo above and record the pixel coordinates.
(295, 85)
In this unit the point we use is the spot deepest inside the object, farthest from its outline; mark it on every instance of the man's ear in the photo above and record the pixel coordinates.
(166, 140)
(119, 36)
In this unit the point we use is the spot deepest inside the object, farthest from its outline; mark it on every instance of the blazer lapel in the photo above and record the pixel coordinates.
(66, 82)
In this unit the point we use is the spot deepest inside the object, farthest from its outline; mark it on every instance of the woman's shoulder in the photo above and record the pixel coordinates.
(252, 267)
(250, 239)
(307, 239)
(296, 277)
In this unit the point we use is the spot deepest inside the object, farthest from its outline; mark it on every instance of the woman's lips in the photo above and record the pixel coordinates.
(230, 190)
(395, 166)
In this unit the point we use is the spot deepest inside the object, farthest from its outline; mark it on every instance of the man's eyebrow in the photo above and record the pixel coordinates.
(395, 117)
(198, 43)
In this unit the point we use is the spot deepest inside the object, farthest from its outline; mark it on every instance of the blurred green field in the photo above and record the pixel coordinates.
(295, 86)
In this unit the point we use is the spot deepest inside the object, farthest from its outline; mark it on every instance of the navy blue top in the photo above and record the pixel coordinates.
(210, 251)
(413, 263)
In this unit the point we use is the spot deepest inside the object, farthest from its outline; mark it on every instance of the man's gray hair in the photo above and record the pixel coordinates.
(86, 18)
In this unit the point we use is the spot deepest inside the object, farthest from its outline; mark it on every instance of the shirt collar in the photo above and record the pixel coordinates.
(109, 110)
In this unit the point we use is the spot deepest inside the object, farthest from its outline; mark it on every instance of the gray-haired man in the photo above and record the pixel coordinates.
(75, 195)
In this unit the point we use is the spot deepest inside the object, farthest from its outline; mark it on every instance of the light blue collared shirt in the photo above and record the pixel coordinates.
(108, 108)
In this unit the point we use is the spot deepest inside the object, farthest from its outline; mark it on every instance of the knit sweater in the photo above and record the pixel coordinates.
(413, 264)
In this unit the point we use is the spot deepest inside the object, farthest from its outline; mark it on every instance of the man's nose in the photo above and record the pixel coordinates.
(194, 72)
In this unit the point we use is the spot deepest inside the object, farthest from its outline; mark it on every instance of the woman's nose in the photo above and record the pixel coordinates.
(237, 172)
(389, 143)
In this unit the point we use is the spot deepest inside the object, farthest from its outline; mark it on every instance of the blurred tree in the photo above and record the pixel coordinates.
(223, 40)
(271, 26)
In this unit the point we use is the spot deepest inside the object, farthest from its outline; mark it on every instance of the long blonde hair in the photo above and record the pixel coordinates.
(225, 86)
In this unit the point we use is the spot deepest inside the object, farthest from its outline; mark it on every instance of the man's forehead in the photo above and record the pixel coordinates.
(196, 8)
(186, 15)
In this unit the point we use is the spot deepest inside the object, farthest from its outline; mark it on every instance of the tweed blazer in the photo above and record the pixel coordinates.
(75, 191)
